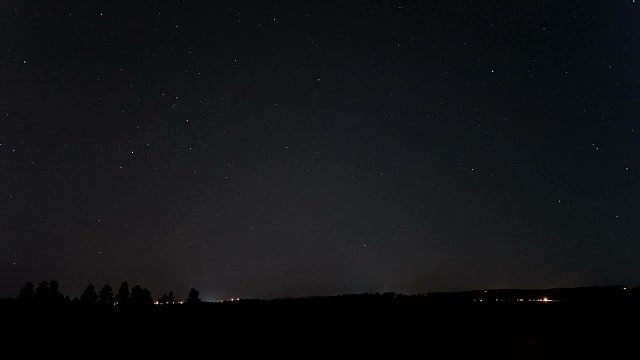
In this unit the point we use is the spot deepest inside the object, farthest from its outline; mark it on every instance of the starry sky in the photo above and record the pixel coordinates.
(294, 148)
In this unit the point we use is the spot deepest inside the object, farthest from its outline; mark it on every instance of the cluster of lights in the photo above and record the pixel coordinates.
(159, 303)
(543, 300)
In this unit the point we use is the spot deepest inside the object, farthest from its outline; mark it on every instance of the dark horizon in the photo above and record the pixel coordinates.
(595, 293)
(292, 148)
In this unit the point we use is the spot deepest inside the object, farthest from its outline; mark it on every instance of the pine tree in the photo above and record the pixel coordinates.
(26, 293)
(55, 296)
(105, 296)
(124, 296)
(41, 295)
(89, 295)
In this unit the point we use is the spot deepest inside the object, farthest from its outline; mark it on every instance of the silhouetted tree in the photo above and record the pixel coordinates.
(168, 299)
(26, 293)
(194, 297)
(105, 296)
(123, 294)
(89, 295)
(136, 294)
(140, 296)
(146, 297)
(55, 296)
(41, 295)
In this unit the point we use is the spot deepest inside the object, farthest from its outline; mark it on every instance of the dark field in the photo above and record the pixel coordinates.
(339, 326)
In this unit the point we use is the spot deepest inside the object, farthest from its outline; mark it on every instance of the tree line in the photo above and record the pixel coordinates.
(48, 292)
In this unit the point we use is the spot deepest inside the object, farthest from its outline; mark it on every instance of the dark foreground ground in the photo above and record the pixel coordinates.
(330, 327)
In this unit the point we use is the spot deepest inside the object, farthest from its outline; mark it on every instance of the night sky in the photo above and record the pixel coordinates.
(319, 148)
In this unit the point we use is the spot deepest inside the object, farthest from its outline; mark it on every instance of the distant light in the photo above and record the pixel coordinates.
(545, 300)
